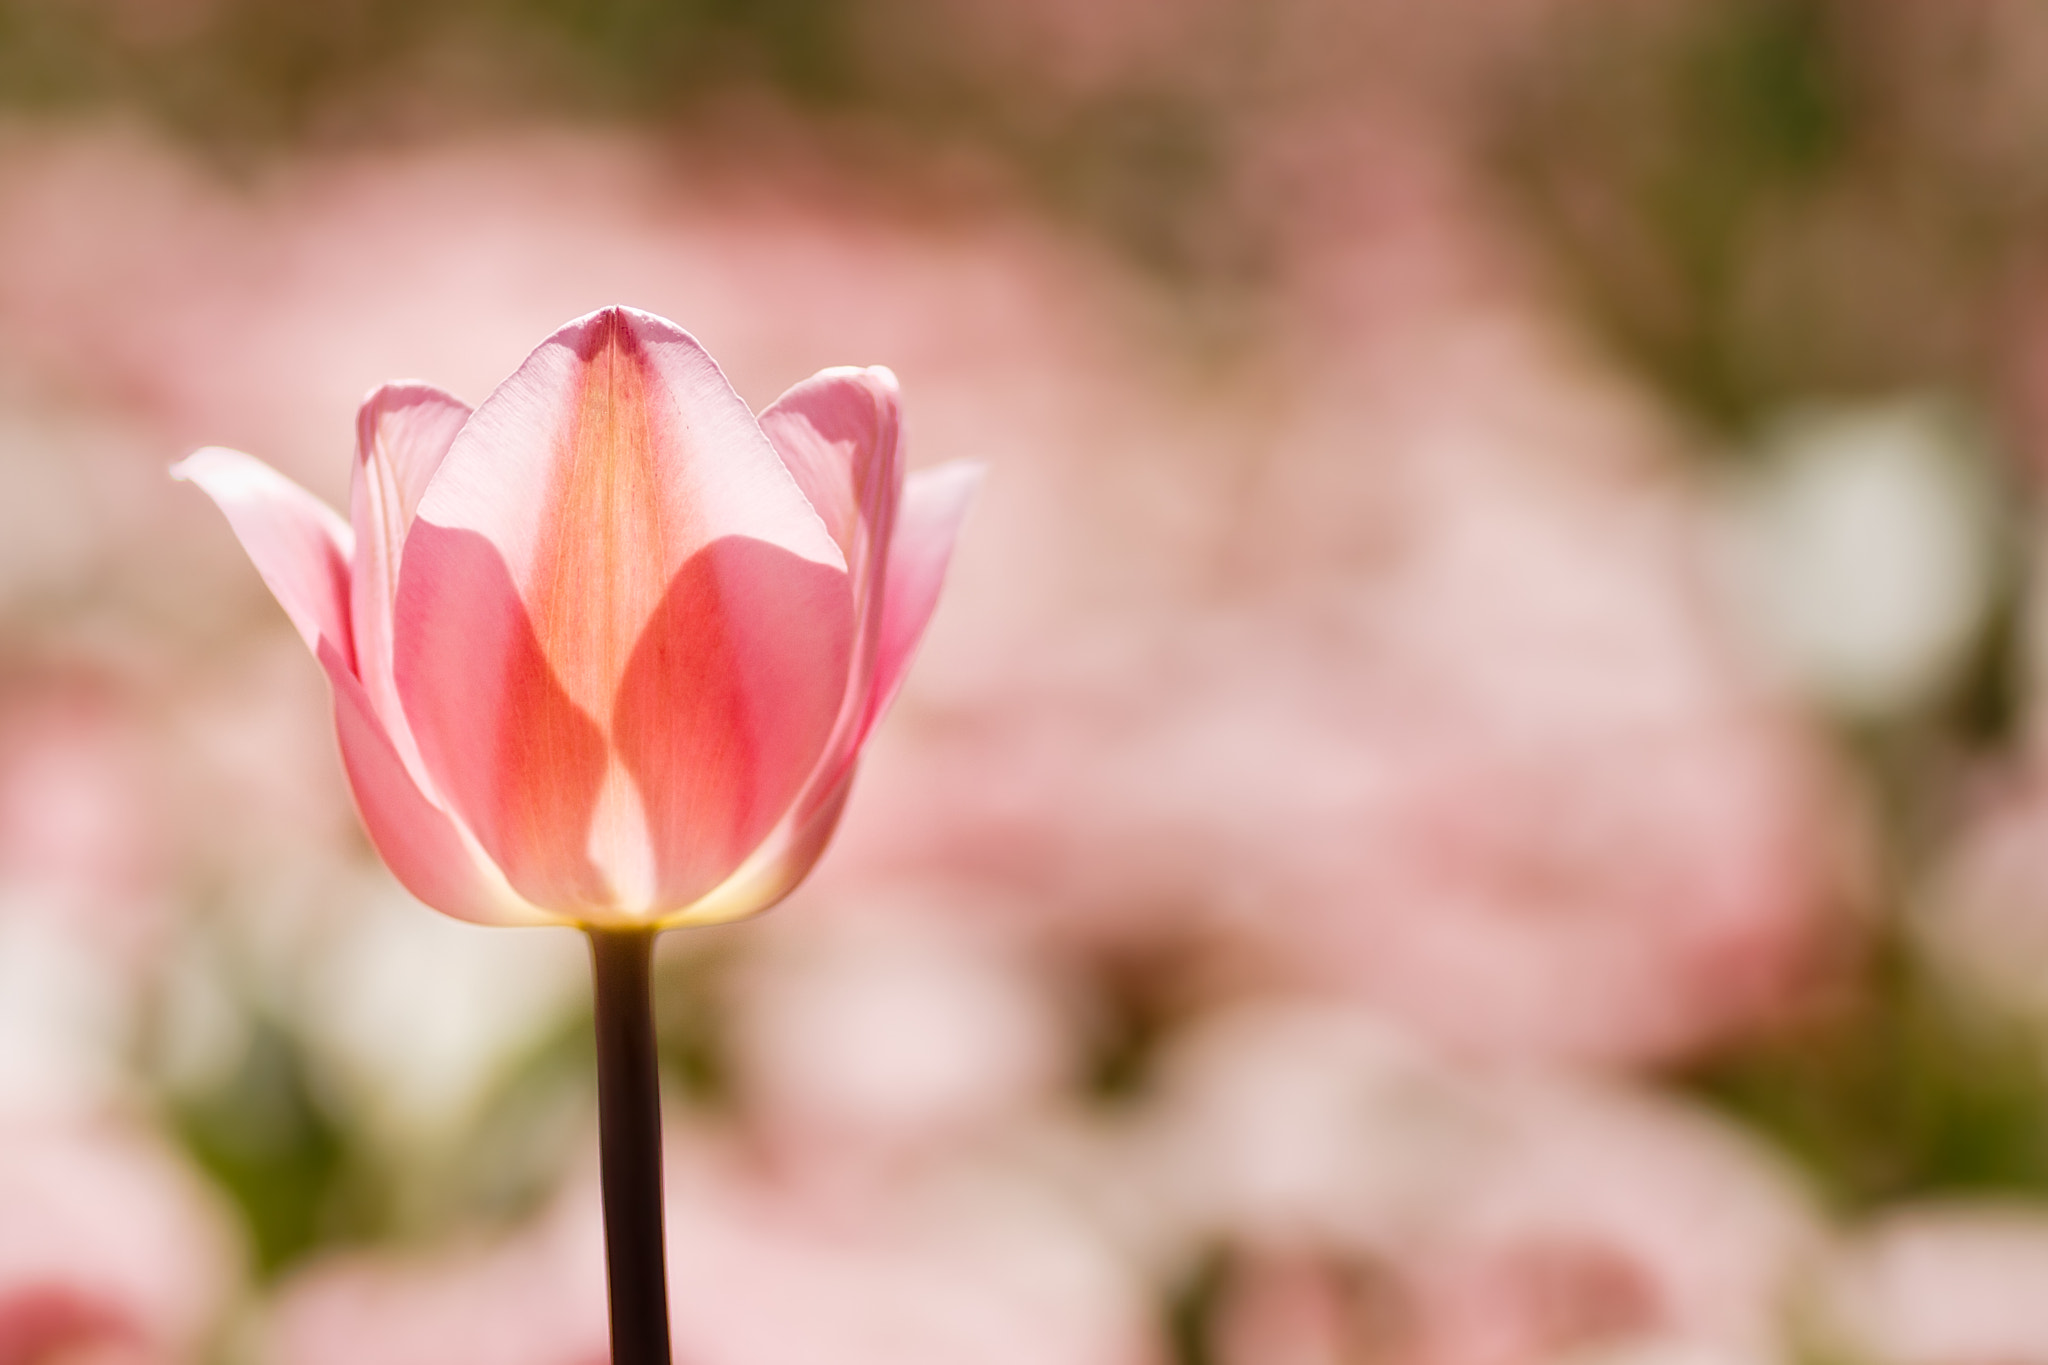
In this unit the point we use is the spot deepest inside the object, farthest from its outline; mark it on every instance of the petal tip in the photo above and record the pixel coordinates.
(403, 392)
(878, 379)
(956, 481)
(203, 461)
(594, 327)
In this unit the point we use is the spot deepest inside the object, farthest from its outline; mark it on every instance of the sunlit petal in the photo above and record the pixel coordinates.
(298, 544)
(935, 502)
(402, 433)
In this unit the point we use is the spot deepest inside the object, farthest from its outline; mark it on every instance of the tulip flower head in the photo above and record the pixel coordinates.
(604, 651)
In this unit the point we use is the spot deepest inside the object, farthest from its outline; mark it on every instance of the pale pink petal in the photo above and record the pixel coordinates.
(622, 633)
(935, 502)
(840, 434)
(924, 528)
(298, 544)
(418, 841)
(402, 433)
(302, 550)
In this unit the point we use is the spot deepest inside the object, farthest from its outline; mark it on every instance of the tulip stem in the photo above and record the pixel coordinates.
(629, 1139)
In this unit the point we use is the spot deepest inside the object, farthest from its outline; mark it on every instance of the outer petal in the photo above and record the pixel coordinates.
(840, 435)
(402, 433)
(423, 847)
(299, 546)
(935, 502)
(622, 634)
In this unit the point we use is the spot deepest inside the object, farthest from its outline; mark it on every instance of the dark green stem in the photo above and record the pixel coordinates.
(629, 1138)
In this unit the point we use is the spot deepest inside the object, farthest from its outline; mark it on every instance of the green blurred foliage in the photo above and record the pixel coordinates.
(1656, 162)
(275, 1148)
(1910, 1089)
(1762, 200)
(306, 1174)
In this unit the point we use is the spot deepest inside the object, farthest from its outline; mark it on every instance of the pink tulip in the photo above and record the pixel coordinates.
(605, 650)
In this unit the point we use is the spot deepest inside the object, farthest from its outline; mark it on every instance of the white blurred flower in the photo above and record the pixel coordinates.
(419, 1014)
(1862, 547)
(64, 1021)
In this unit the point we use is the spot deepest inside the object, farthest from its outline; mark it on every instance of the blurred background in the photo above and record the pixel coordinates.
(1478, 796)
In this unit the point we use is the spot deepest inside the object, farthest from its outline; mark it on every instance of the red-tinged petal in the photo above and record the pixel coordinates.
(927, 522)
(424, 848)
(622, 633)
(402, 433)
(935, 502)
(728, 703)
(298, 544)
(516, 760)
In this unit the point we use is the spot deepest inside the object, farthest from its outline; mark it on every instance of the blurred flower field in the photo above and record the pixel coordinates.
(1477, 795)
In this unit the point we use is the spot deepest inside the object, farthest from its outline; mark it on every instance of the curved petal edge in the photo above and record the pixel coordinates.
(299, 545)
(402, 433)
(935, 502)
(422, 845)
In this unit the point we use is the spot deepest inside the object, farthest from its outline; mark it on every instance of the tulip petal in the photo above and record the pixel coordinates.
(402, 433)
(298, 544)
(839, 434)
(723, 714)
(622, 634)
(935, 502)
(515, 759)
(422, 846)
(927, 523)
(302, 548)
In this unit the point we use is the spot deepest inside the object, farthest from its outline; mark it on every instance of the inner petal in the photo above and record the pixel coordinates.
(602, 548)
(619, 844)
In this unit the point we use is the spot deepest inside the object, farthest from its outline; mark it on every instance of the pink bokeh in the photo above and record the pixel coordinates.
(111, 1249)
